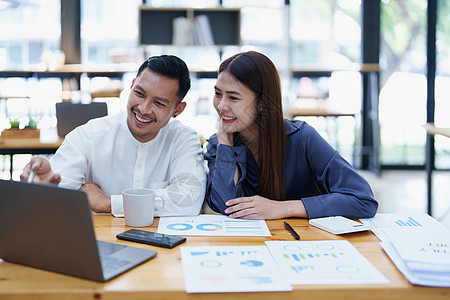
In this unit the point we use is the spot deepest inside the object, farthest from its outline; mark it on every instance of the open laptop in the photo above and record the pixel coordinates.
(71, 115)
(50, 228)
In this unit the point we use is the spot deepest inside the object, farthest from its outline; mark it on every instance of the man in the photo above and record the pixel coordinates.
(139, 148)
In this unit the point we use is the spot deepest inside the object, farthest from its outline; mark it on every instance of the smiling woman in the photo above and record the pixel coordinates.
(264, 167)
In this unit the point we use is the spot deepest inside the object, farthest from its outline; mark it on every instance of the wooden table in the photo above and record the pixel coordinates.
(162, 277)
(319, 110)
(44, 145)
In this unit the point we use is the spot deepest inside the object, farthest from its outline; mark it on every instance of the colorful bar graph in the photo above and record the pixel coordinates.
(304, 256)
(224, 253)
(408, 222)
(298, 269)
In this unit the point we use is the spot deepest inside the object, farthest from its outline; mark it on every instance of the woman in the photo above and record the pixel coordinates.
(262, 166)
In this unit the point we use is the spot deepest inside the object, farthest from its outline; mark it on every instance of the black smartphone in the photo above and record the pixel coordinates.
(151, 238)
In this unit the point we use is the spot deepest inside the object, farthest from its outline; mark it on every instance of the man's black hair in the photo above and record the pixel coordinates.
(172, 67)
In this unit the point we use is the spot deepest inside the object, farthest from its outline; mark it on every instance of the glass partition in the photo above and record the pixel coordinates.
(109, 31)
(442, 144)
(403, 82)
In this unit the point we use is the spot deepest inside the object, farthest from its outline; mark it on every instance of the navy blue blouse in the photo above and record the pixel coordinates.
(314, 172)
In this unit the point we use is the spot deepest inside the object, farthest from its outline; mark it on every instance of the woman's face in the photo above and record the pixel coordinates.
(235, 104)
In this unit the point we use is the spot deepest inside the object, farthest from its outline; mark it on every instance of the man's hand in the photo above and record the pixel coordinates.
(260, 208)
(98, 202)
(42, 169)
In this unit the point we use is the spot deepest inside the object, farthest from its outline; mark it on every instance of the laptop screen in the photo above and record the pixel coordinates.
(51, 228)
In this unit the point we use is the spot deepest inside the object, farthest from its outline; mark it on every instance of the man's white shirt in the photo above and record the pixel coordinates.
(104, 152)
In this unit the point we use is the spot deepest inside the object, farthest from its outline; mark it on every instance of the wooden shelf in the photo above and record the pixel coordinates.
(156, 24)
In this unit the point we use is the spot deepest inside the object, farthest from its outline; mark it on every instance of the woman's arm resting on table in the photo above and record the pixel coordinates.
(257, 207)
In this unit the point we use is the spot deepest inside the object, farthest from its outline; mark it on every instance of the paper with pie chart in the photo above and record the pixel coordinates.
(323, 262)
(219, 269)
(212, 225)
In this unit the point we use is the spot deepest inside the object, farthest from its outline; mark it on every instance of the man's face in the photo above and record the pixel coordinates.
(152, 102)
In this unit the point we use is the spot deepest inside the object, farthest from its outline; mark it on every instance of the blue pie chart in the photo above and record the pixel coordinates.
(179, 226)
(209, 227)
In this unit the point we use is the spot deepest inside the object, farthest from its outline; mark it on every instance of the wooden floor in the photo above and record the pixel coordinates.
(406, 191)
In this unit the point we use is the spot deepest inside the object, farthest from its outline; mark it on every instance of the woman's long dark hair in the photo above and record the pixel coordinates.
(259, 74)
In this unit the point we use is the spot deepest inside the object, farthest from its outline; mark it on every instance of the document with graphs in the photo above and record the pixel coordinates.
(221, 269)
(323, 262)
(417, 244)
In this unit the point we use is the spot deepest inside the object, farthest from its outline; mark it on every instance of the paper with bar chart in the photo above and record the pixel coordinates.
(418, 245)
(212, 225)
(384, 225)
(323, 262)
(221, 269)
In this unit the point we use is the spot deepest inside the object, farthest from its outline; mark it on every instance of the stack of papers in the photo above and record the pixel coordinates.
(417, 244)
(275, 267)
(424, 258)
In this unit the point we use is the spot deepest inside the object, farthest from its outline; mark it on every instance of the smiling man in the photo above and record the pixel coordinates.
(136, 149)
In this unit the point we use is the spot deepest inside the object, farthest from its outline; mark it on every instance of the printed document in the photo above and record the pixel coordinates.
(323, 262)
(221, 269)
(212, 225)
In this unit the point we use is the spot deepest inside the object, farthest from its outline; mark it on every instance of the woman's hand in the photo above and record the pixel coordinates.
(260, 208)
(224, 137)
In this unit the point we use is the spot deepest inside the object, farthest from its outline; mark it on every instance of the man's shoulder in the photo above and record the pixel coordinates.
(103, 124)
(176, 134)
(177, 127)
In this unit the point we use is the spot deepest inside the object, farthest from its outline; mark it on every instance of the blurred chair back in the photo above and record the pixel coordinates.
(71, 115)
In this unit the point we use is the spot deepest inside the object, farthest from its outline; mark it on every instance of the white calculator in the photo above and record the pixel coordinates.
(338, 225)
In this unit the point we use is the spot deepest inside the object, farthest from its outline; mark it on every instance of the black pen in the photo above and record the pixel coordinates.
(291, 230)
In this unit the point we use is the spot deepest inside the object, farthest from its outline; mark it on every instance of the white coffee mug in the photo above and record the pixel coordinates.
(139, 206)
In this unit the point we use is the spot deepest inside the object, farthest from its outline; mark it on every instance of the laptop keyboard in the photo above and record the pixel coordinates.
(111, 264)
(105, 248)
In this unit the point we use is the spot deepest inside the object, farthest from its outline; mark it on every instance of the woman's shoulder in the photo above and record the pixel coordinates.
(295, 126)
(300, 130)
(213, 140)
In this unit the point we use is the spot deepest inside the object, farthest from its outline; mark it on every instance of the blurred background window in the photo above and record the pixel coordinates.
(301, 35)
(403, 82)
(442, 109)
(109, 31)
(30, 29)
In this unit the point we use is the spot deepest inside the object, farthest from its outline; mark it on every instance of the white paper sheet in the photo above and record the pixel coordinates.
(323, 262)
(417, 244)
(219, 269)
(383, 224)
(212, 225)
(418, 278)
(429, 247)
